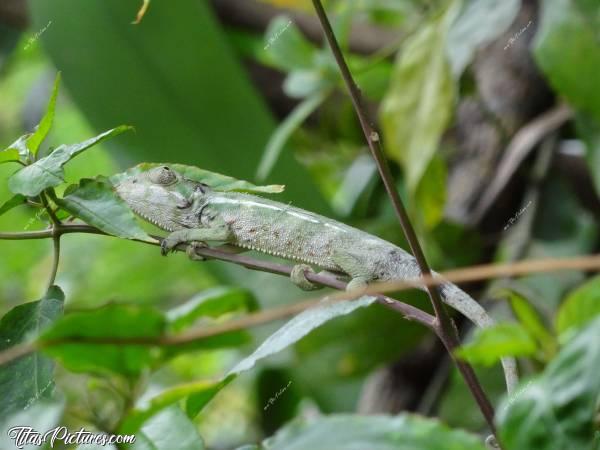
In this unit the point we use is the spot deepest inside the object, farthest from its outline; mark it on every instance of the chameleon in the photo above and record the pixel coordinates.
(194, 214)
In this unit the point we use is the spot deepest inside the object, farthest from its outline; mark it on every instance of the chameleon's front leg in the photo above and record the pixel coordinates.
(195, 237)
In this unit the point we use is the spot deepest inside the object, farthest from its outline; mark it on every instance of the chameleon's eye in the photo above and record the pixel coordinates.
(163, 175)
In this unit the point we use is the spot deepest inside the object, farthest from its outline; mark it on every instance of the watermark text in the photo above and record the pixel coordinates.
(24, 435)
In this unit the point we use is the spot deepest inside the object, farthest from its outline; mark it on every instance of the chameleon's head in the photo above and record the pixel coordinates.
(163, 197)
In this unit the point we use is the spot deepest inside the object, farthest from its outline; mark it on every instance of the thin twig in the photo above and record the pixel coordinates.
(374, 142)
(16, 352)
(456, 276)
(251, 320)
(55, 260)
(56, 223)
(410, 312)
(447, 331)
(45, 234)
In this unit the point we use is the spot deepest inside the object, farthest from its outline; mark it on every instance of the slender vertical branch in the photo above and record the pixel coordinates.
(374, 143)
(55, 259)
(446, 329)
(56, 233)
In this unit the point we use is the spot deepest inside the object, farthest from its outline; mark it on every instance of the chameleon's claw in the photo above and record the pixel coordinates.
(169, 243)
(192, 248)
(164, 247)
(298, 277)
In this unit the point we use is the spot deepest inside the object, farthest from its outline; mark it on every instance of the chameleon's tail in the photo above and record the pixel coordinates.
(463, 303)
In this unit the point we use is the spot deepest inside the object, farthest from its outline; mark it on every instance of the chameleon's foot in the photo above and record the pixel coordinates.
(491, 443)
(166, 247)
(357, 285)
(298, 277)
(169, 243)
(192, 248)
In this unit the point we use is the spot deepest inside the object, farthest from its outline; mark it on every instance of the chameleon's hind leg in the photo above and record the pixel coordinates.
(360, 276)
(298, 277)
(191, 250)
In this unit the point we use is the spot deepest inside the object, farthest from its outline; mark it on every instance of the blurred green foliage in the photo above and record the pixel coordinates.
(179, 78)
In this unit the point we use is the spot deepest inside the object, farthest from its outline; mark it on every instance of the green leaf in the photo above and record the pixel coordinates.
(43, 415)
(232, 339)
(211, 303)
(168, 430)
(344, 350)
(70, 339)
(48, 171)
(306, 83)
(430, 194)
(216, 181)
(284, 131)
(567, 49)
(531, 321)
(419, 102)
(13, 202)
(580, 306)
(9, 155)
(349, 432)
(589, 131)
(357, 177)
(25, 380)
(150, 407)
(298, 327)
(562, 228)
(479, 22)
(558, 409)
(286, 47)
(492, 343)
(42, 130)
(95, 202)
(198, 400)
(20, 145)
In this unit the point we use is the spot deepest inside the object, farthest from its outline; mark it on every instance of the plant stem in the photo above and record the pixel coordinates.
(446, 330)
(408, 311)
(55, 260)
(374, 143)
(49, 209)
(45, 234)
(464, 275)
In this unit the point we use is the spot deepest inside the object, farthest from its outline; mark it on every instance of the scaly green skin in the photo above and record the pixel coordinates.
(195, 214)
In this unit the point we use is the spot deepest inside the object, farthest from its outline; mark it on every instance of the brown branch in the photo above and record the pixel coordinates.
(467, 274)
(254, 15)
(446, 330)
(410, 312)
(252, 320)
(17, 351)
